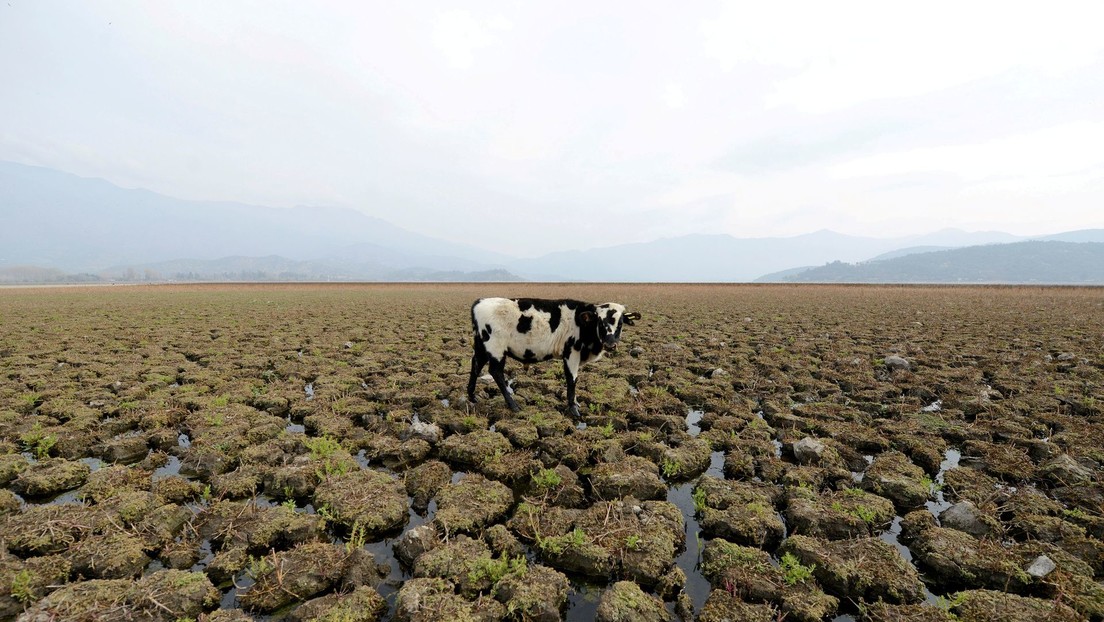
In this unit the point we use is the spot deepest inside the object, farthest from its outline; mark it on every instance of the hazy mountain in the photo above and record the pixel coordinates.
(62, 221)
(270, 268)
(1021, 262)
(65, 227)
(726, 258)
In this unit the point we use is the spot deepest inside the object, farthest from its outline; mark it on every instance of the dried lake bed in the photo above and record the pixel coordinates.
(749, 452)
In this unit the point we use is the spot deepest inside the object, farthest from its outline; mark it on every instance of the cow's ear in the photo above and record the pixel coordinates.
(630, 318)
(586, 317)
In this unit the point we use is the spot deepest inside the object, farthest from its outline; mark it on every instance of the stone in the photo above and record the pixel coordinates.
(808, 450)
(897, 362)
(1041, 567)
(964, 516)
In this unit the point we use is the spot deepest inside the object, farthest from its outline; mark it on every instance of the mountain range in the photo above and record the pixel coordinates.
(58, 226)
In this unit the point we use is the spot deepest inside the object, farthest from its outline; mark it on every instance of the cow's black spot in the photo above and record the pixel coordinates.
(486, 334)
(568, 346)
(554, 318)
(551, 307)
(609, 315)
(529, 357)
(525, 323)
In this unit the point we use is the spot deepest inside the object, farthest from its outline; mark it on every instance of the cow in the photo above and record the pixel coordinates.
(532, 330)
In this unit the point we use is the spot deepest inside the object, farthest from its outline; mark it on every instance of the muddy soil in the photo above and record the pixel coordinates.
(234, 453)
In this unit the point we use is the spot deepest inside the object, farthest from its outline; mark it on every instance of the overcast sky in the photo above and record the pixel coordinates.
(527, 127)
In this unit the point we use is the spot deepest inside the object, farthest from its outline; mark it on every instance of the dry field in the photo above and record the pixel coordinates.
(749, 452)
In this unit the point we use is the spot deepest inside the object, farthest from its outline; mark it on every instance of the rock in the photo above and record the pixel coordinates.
(1063, 470)
(636, 351)
(718, 373)
(965, 516)
(808, 450)
(1041, 567)
(412, 543)
(624, 601)
(428, 432)
(895, 362)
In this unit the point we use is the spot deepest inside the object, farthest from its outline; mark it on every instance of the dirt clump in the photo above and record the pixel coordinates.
(863, 568)
(166, 595)
(367, 499)
(471, 504)
(741, 512)
(837, 515)
(364, 604)
(50, 477)
(624, 601)
(631, 477)
(539, 593)
(994, 606)
(748, 573)
(893, 476)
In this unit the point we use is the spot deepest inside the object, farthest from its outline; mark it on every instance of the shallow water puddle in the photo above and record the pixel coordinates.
(950, 461)
(172, 467)
(693, 420)
(696, 585)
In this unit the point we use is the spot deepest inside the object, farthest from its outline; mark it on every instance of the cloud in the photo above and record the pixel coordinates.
(459, 35)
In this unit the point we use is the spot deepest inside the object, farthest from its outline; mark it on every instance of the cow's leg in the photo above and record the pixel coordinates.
(571, 374)
(479, 359)
(497, 372)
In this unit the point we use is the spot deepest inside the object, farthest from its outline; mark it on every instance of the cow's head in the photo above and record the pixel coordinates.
(611, 317)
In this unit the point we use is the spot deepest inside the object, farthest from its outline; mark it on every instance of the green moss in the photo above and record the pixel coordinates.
(793, 571)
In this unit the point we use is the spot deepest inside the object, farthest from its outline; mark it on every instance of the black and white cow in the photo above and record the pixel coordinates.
(531, 330)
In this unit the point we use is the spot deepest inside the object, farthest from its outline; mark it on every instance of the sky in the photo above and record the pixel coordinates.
(531, 127)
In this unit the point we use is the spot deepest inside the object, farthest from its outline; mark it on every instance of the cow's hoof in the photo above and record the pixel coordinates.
(574, 412)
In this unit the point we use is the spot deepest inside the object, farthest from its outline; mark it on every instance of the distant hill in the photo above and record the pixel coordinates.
(57, 227)
(1050, 262)
(57, 220)
(724, 258)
